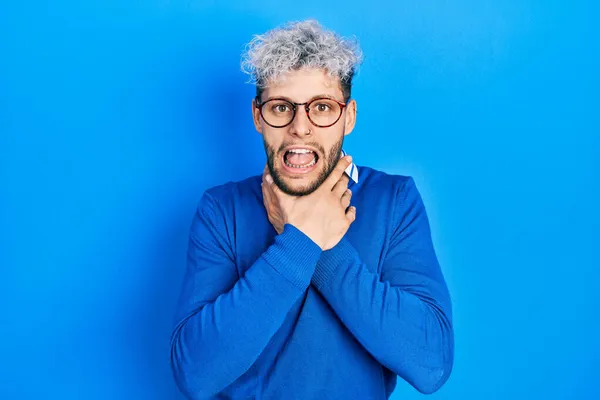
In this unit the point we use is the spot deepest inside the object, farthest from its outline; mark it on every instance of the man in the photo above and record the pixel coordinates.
(318, 279)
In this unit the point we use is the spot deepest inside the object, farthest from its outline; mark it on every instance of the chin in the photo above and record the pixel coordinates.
(298, 184)
(299, 187)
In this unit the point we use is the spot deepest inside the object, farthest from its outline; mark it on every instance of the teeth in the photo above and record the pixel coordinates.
(300, 151)
(310, 164)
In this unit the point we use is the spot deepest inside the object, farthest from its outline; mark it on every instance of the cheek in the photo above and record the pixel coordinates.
(272, 140)
(334, 140)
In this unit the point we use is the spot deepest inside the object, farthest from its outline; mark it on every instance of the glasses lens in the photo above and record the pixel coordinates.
(324, 112)
(278, 112)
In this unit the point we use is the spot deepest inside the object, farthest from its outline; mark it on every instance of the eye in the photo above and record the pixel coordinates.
(322, 107)
(280, 108)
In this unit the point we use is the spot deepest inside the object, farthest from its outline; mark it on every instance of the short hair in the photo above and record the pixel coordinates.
(301, 44)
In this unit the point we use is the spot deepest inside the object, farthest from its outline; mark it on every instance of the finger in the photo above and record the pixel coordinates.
(337, 172)
(268, 201)
(268, 196)
(277, 223)
(271, 208)
(346, 198)
(351, 214)
(268, 179)
(276, 193)
(265, 192)
(269, 183)
(341, 186)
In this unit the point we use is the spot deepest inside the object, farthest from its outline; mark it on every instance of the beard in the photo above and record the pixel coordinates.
(330, 160)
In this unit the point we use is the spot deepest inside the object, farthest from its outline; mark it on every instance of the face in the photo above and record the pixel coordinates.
(300, 156)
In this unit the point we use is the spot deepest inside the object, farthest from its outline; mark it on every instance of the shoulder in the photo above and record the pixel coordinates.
(397, 193)
(396, 185)
(403, 203)
(225, 195)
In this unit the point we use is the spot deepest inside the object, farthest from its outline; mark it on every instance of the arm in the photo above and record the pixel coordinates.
(224, 323)
(404, 318)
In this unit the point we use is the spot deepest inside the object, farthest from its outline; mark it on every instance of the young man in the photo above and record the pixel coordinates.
(318, 279)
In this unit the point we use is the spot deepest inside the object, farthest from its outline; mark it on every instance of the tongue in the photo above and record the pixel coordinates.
(299, 159)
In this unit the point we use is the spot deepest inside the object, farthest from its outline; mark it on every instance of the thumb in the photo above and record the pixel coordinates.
(274, 188)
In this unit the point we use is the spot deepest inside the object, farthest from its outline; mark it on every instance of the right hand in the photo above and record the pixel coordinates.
(321, 215)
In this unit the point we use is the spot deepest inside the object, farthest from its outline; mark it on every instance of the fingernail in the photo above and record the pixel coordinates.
(268, 178)
(350, 158)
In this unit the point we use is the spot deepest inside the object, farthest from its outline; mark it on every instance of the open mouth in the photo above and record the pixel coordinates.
(299, 159)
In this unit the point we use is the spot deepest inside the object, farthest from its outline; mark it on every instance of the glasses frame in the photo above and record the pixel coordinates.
(306, 105)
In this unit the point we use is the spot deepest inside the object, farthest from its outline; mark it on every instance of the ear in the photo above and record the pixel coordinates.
(350, 119)
(256, 117)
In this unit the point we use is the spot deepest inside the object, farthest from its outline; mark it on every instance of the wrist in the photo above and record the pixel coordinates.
(314, 236)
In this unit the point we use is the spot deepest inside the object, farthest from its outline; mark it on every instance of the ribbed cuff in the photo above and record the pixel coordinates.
(294, 255)
(331, 260)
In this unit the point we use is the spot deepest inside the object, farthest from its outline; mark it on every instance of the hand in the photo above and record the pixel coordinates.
(323, 215)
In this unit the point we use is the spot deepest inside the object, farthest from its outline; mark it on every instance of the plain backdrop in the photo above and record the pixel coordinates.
(115, 116)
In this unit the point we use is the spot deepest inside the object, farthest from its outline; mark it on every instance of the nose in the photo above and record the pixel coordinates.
(300, 125)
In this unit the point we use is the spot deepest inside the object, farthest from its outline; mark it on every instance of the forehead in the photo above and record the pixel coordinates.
(303, 84)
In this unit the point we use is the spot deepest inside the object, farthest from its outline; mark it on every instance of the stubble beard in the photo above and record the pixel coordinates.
(331, 158)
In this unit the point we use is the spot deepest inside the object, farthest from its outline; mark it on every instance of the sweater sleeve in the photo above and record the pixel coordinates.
(403, 318)
(224, 321)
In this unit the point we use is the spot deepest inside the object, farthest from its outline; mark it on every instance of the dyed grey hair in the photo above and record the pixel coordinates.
(296, 45)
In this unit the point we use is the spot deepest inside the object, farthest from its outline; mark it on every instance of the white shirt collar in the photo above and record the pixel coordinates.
(352, 170)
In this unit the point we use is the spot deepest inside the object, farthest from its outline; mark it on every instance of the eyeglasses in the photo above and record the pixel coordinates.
(322, 112)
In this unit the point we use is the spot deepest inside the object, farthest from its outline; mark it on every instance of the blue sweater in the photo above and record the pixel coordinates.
(268, 316)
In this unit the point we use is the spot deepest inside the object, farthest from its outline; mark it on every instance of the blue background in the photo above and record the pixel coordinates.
(116, 115)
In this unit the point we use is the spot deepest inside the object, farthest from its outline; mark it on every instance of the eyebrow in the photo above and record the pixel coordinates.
(319, 96)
